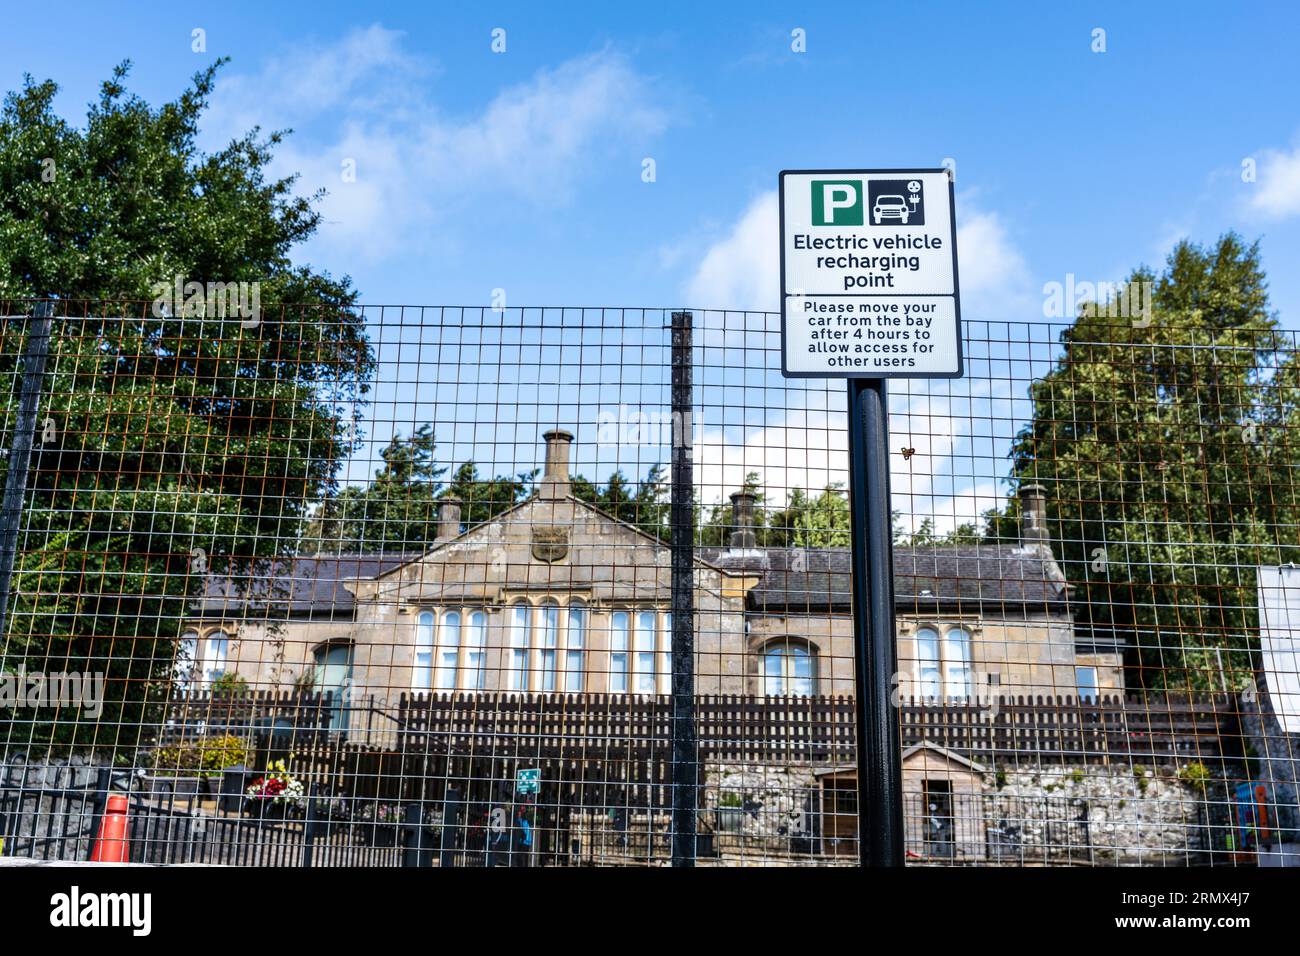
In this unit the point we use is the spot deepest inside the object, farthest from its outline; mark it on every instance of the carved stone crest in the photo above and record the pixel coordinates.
(549, 543)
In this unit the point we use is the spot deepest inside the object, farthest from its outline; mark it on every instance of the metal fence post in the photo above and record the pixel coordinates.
(450, 820)
(685, 774)
(875, 651)
(309, 828)
(20, 451)
(98, 806)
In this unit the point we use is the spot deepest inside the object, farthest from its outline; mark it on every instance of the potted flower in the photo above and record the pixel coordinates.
(379, 823)
(276, 793)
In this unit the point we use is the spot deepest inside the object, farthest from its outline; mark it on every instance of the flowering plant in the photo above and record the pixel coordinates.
(278, 787)
(380, 813)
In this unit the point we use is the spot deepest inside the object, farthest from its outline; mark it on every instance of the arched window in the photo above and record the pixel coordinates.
(474, 675)
(956, 662)
(618, 652)
(187, 652)
(215, 650)
(643, 665)
(666, 655)
(444, 677)
(521, 622)
(574, 640)
(422, 677)
(927, 661)
(333, 675)
(788, 669)
(548, 643)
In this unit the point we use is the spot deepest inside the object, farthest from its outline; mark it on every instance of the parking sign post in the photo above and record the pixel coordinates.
(875, 660)
(868, 293)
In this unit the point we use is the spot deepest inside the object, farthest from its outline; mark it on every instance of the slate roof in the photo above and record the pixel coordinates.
(925, 578)
(296, 586)
(984, 577)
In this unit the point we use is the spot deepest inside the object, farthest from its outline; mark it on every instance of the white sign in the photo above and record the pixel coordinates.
(1279, 641)
(869, 274)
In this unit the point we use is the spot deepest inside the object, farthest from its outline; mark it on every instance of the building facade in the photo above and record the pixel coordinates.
(557, 596)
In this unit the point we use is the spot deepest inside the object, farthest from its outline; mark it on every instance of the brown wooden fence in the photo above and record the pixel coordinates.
(243, 714)
(732, 727)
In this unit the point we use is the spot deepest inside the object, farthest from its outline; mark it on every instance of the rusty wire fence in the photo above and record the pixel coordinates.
(396, 586)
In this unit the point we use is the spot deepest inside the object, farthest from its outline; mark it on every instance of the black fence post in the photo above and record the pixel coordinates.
(450, 820)
(20, 451)
(685, 776)
(98, 805)
(309, 825)
(875, 649)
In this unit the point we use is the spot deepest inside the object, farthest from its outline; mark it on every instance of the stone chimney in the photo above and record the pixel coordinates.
(448, 518)
(1033, 515)
(742, 520)
(555, 479)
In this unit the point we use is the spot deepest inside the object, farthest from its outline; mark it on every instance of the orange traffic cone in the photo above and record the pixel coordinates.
(111, 845)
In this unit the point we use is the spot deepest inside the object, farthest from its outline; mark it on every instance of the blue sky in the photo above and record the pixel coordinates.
(522, 171)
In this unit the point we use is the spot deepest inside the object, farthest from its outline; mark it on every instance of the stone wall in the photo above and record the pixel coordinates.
(1123, 814)
(1107, 815)
(761, 801)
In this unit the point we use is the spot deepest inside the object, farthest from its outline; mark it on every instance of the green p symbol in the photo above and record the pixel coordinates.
(837, 202)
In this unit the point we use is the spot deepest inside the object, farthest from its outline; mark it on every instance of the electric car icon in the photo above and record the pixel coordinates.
(889, 207)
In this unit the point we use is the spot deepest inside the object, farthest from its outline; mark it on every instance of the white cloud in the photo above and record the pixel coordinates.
(742, 269)
(1277, 186)
(995, 281)
(804, 449)
(417, 167)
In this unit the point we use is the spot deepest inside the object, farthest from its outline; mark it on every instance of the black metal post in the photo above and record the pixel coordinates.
(450, 821)
(685, 775)
(20, 451)
(880, 774)
(416, 846)
(309, 825)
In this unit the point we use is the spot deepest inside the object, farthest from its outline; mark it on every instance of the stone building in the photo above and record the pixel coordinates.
(555, 595)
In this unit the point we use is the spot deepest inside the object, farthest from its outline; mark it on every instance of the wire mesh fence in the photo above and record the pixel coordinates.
(448, 586)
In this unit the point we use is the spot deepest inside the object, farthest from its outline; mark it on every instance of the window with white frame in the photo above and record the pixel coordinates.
(422, 672)
(548, 644)
(444, 676)
(956, 662)
(640, 661)
(943, 662)
(666, 655)
(574, 639)
(789, 667)
(643, 653)
(521, 619)
(450, 650)
(618, 647)
(474, 674)
(215, 650)
(187, 652)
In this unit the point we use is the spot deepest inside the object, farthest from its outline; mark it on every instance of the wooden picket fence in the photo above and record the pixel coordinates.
(815, 729)
(242, 714)
(730, 727)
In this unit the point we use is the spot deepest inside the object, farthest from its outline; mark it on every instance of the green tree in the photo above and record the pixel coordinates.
(925, 536)
(643, 504)
(483, 499)
(1165, 445)
(805, 522)
(184, 440)
(715, 524)
(396, 511)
